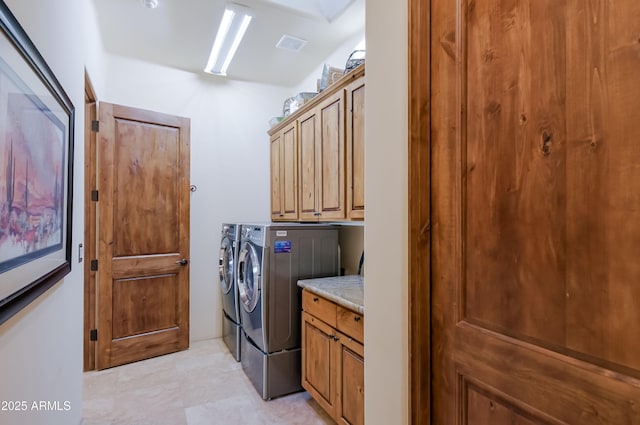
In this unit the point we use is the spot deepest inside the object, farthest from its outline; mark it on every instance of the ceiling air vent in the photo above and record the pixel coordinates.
(289, 42)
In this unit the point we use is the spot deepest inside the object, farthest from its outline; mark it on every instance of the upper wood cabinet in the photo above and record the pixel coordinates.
(284, 174)
(329, 177)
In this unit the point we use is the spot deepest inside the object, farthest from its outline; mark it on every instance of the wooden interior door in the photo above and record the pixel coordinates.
(535, 212)
(143, 235)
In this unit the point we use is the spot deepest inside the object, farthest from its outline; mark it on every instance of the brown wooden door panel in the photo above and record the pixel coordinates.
(143, 236)
(124, 267)
(551, 387)
(355, 149)
(332, 154)
(318, 347)
(604, 86)
(276, 184)
(127, 350)
(308, 136)
(351, 388)
(535, 231)
(485, 409)
(144, 207)
(317, 368)
(144, 304)
(514, 187)
(290, 172)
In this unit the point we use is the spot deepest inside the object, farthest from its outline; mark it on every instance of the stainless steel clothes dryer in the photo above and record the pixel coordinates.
(271, 260)
(229, 244)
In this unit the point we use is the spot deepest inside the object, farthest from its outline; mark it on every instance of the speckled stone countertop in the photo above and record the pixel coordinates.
(347, 291)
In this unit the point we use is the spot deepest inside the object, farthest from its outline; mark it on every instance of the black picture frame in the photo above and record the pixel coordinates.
(36, 171)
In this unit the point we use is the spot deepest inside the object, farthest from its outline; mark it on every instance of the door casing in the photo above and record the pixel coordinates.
(419, 211)
(90, 239)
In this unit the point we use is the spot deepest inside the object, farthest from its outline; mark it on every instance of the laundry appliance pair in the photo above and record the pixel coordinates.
(271, 258)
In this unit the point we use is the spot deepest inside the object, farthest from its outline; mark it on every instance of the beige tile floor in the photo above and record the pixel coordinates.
(203, 385)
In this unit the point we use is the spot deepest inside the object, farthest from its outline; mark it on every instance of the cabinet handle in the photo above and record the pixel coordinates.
(315, 299)
(335, 338)
(356, 318)
(317, 214)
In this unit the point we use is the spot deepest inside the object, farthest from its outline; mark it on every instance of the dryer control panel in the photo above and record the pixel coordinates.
(254, 233)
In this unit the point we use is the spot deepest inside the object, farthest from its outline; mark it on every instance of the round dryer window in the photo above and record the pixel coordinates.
(226, 265)
(248, 277)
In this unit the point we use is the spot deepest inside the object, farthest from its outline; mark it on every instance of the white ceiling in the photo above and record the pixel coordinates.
(180, 33)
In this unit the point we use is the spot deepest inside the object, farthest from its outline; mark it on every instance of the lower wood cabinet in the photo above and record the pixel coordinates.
(333, 361)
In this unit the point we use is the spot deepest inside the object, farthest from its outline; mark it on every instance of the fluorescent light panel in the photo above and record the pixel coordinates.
(234, 24)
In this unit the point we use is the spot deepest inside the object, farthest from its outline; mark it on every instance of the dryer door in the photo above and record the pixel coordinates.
(249, 279)
(226, 265)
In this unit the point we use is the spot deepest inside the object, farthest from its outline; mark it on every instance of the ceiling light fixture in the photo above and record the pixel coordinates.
(234, 24)
(150, 4)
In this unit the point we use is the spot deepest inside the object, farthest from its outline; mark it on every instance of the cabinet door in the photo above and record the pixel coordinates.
(276, 187)
(308, 165)
(331, 153)
(284, 174)
(289, 173)
(355, 150)
(350, 405)
(319, 372)
(322, 161)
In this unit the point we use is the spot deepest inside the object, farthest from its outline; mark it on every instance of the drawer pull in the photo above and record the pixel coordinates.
(315, 299)
(356, 318)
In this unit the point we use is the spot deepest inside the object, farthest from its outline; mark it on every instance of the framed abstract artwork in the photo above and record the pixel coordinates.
(36, 171)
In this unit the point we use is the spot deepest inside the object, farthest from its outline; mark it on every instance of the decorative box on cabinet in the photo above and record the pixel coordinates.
(333, 358)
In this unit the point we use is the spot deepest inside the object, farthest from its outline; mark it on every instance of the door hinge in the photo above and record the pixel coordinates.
(93, 335)
(94, 265)
(94, 195)
(95, 126)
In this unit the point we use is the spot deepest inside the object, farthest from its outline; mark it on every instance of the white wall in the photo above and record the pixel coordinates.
(229, 159)
(386, 287)
(41, 347)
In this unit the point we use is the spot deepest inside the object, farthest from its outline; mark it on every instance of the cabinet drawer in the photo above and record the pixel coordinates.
(350, 323)
(319, 307)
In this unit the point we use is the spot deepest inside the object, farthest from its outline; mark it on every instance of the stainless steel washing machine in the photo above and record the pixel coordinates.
(271, 260)
(229, 244)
